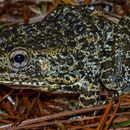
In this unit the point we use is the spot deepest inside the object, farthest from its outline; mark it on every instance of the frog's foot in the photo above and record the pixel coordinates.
(113, 81)
(85, 100)
(90, 96)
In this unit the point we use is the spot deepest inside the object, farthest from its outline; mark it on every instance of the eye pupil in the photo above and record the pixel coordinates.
(19, 58)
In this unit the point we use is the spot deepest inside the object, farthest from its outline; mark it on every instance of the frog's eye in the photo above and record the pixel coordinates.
(19, 58)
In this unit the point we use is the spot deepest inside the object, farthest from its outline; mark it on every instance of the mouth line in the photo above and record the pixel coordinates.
(11, 75)
(47, 83)
(40, 86)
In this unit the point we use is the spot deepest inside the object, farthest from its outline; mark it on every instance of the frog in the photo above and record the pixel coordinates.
(73, 50)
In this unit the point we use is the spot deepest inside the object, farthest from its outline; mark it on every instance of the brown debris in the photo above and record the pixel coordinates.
(14, 12)
(35, 112)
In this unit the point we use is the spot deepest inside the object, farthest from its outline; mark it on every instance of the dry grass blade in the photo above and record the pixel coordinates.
(77, 2)
(36, 122)
(113, 115)
(6, 96)
(104, 117)
(50, 123)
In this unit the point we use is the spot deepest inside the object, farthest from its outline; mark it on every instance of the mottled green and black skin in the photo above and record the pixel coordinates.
(116, 71)
(72, 50)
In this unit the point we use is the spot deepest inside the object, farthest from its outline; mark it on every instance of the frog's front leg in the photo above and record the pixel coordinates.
(88, 90)
(89, 95)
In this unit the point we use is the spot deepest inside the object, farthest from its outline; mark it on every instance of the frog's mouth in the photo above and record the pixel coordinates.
(25, 82)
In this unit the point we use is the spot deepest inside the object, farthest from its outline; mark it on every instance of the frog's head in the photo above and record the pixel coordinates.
(39, 55)
(28, 58)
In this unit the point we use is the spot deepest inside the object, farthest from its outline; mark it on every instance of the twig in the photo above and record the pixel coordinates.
(41, 124)
(6, 96)
(63, 114)
(113, 115)
(104, 117)
(111, 17)
(33, 19)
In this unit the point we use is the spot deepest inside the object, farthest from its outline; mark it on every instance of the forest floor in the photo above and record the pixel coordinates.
(29, 109)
